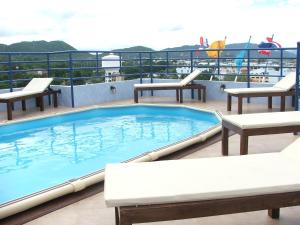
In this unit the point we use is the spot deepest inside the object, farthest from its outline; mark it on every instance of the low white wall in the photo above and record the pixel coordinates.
(91, 94)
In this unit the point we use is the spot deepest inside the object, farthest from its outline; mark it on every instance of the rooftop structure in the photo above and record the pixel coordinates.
(143, 67)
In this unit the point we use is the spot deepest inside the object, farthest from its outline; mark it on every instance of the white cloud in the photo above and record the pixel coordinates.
(102, 25)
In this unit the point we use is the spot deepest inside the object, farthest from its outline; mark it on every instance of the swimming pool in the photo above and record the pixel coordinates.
(39, 154)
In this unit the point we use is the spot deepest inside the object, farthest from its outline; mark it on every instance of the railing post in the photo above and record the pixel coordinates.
(120, 62)
(151, 71)
(248, 72)
(192, 60)
(297, 78)
(140, 69)
(48, 64)
(48, 74)
(71, 78)
(167, 57)
(281, 63)
(192, 69)
(100, 64)
(218, 62)
(10, 74)
(97, 64)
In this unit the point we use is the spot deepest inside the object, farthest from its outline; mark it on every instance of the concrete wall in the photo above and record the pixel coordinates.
(99, 93)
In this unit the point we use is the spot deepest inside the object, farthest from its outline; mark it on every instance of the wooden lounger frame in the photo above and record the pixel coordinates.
(245, 133)
(39, 101)
(128, 215)
(179, 95)
(240, 97)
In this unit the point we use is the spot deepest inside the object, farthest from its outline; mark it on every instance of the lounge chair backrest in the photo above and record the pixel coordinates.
(190, 77)
(38, 84)
(288, 82)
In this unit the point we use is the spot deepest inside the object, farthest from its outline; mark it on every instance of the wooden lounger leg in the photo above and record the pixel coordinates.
(282, 103)
(224, 141)
(244, 145)
(55, 100)
(204, 94)
(41, 101)
(49, 98)
(124, 218)
(23, 105)
(9, 110)
(136, 96)
(180, 95)
(293, 100)
(37, 102)
(240, 105)
(229, 100)
(270, 102)
(199, 94)
(192, 93)
(274, 213)
(117, 218)
(177, 95)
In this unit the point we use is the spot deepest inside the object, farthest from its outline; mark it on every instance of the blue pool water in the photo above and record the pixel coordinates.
(39, 154)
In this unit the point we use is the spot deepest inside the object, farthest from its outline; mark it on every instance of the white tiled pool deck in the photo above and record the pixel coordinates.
(92, 211)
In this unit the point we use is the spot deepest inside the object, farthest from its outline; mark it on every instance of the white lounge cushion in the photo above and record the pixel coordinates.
(190, 77)
(182, 83)
(288, 82)
(16, 94)
(35, 86)
(150, 85)
(38, 84)
(174, 181)
(254, 90)
(285, 84)
(263, 120)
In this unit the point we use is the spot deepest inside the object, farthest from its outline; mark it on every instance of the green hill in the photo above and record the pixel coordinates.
(36, 46)
(177, 52)
(53, 46)
(133, 50)
(232, 54)
(43, 46)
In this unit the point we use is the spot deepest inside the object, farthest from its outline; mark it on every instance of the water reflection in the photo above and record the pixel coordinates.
(80, 141)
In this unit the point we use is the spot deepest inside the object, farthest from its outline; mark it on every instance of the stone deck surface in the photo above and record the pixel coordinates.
(92, 211)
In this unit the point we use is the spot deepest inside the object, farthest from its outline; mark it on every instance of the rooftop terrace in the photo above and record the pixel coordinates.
(92, 210)
(72, 74)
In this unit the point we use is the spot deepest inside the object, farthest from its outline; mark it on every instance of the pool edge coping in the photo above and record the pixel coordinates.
(37, 198)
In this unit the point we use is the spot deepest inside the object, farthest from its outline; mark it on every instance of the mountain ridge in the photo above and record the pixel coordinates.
(53, 46)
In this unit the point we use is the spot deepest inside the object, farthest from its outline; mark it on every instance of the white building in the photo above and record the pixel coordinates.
(262, 74)
(111, 64)
(183, 71)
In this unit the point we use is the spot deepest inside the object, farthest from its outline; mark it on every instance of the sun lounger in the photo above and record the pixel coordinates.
(282, 89)
(184, 84)
(36, 88)
(190, 188)
(258, 124)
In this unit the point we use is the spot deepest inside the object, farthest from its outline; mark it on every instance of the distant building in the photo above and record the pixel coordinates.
(111, 64)
(186, 70)
(183, 70)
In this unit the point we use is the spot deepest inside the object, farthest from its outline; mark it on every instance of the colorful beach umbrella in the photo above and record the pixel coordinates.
(269, 44)
(240, 57)
(216, 45)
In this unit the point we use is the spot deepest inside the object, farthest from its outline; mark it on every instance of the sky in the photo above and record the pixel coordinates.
(158, 24)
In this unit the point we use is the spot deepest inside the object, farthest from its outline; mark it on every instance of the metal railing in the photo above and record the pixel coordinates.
(80, 67)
